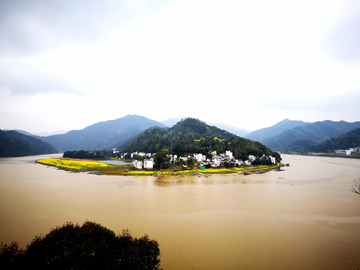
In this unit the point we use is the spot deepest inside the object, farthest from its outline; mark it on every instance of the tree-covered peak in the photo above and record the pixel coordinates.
(194, 136)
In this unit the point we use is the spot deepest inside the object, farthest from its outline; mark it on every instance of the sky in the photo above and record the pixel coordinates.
(67, 64)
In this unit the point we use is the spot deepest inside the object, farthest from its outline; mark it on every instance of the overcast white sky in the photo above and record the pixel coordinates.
(69, 64)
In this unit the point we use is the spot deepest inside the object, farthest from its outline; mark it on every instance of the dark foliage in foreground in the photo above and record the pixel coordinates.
(90, 246)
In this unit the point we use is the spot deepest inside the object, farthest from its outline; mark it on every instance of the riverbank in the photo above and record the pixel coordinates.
(100, 168)
(324, 155)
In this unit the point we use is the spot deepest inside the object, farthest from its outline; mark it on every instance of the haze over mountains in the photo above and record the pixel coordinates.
(318, 131)
(345, 141)
(117, 133)
(103, 135)
(264, 133)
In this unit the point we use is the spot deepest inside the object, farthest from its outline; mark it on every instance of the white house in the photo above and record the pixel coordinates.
(252, 158)
(343, 152)
(137, 164)
(248, 163)
(229, 154)
(149, 163)
(199, 157)
(239, 162)
(216, 161)
(173, 158)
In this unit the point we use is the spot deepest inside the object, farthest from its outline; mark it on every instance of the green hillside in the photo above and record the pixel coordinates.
(194, 136)
(15, 144)
(318, 131)
(345, 141)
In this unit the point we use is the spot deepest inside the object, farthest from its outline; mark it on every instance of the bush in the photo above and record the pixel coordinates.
(90, 246)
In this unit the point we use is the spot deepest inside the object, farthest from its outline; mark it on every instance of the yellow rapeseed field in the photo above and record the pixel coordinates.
(85, 165)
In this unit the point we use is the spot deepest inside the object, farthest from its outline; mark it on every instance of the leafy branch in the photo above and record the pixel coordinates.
(356, 186)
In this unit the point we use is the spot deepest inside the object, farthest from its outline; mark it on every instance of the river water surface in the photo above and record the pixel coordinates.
(304, 217)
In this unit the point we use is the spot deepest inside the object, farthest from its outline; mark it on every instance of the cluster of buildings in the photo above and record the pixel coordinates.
(348, 152)
(201, 159)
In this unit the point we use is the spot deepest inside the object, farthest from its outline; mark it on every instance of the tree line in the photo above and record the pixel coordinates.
(95, 154)
(90, 246)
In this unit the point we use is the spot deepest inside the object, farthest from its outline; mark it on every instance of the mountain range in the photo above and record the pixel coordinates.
(120, 132)
(103, 135)
(345, 141)
(264, 133)
(318, 131)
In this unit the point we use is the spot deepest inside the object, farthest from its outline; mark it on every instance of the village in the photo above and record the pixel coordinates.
(351, 151)
(217, 160)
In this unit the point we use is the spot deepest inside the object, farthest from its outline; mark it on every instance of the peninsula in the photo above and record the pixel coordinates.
(101, 168)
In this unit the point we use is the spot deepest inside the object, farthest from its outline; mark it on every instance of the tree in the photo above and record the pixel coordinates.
(356, 186)
(161, 158)
(191, 162)
(90, 246)
(10, 256)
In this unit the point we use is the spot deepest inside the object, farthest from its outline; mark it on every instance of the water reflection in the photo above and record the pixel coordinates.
(169, 181)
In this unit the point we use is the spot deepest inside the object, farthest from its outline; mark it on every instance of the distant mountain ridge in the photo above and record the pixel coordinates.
(16, 144)
(103, 135)
(232, 129)
(318, 131)
(345, 141)
(264, 133)
(115, 133)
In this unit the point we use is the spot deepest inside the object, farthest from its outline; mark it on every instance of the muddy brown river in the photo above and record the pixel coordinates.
(304, 217)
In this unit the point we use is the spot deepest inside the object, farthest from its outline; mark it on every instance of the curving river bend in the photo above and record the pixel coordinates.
(304, 217)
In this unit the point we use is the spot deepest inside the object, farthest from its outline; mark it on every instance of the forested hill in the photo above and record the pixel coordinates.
(103, 135)
(194, 136)
(345, 141)
(15, 144)
(318, 131)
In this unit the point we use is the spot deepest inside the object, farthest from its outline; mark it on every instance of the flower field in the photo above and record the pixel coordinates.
(85, 165)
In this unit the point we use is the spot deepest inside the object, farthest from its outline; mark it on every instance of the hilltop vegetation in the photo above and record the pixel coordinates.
(193, 136)
(15, 144)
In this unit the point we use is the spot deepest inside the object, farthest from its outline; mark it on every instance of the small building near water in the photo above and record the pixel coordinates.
(149, 163)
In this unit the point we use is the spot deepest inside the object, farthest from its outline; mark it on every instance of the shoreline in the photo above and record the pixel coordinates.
(100, 168)
(322, 155)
